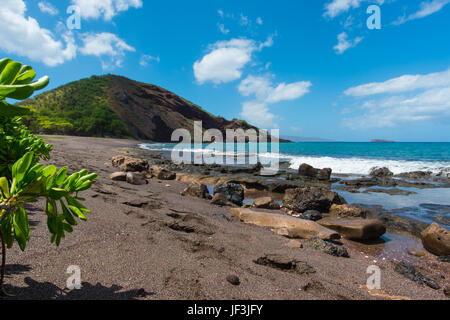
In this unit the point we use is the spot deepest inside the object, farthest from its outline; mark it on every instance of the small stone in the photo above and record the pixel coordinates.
(444, 258)
(233, 279)
(141, 293)
(328, 247)
(312, 215)
(294, 244)
(416, 251)
(118, 176)
(447, 291)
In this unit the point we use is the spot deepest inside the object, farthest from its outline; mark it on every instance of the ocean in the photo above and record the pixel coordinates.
(343, 157)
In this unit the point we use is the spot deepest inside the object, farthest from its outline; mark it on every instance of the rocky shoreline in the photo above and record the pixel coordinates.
(166, 231)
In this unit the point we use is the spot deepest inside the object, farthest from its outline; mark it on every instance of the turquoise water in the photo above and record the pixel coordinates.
(342, 157)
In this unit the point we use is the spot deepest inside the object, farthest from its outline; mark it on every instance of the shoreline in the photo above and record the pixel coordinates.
(150, 237)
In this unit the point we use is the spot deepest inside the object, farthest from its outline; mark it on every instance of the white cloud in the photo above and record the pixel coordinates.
(337, 7)
(265, 93)
(146, 59)
(94, 9)
(22, 35)
(344, 43)
(426, 9)
(47, 7)
(402, 84)
(226, 60)
(423, 98)
(259, 21)
(105, 44)
(244, 21)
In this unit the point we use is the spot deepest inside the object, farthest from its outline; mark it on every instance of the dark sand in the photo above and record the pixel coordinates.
(180, 248)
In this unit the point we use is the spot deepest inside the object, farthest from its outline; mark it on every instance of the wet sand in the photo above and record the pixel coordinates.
(166, 246)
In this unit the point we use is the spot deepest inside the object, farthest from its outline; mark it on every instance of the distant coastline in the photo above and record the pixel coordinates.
(382, 141)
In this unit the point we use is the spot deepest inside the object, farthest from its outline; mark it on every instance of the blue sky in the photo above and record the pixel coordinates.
(310, 68)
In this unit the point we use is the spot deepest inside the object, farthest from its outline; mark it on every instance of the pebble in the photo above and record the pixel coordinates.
(233, 279)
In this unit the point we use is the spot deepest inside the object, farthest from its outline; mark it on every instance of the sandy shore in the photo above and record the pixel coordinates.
(176, 247)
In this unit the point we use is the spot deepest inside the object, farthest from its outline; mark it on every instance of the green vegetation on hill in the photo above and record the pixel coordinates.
(79, 108)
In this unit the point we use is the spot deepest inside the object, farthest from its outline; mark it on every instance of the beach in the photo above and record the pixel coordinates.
(151, 242)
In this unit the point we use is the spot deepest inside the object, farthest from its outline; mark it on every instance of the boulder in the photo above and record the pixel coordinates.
(197, 190)
(129, 164)
(345, 211)
(381, 172)
(408, 271)
(162, 173)
(136, 178)
(305, 170)
(355, 229)
(312, 215)
(436, 240)
(328, 247)
(233, 192)
(118, 176)
(310, 198)
(266, 203)
(285, 225)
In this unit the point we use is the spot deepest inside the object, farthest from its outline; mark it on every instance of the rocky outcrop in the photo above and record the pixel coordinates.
(285, 225)
(266, 203)
(129, 164)
(232, 191)
(436, 240)
(305, 170)
(162, 173)
(355, 229)
(381, 172)
(197, 190)
(328, 247)
(412, 274)
(219, 199)
(345, 211)
(311, 198)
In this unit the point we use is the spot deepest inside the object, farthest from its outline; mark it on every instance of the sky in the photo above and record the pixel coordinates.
(345, 70)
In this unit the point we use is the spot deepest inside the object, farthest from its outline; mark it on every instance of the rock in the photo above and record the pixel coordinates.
(415, 175)
(412, 274)
(162, 173)
(402, 225)
(444, 259)
(118, 176)
(220, 199)
(233, 192)
(381, 172)
(305, 170)
(266, 203)
(355, 229)
(436, 240)
(310, 198)
(416, 251)
(324, 174)
(129, 164)
(136, 178)
(328, 247)
(197, 190)
(345, 211)
(312, 215)
(233, 279)
(285, 225)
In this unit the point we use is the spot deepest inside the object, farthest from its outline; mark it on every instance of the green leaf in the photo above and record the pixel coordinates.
(3, 63)
(21, 92)
(67, 215)
(61, 176)
(49, 171)
(5, 90)
(41, 83)
(7, 231)
(4, 186)
(10, 72)
(26, 75)
(20, 168)
(21, 228)
(8, 110)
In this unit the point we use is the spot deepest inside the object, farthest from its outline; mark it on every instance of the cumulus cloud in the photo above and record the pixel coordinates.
(47, 7)
(95, 9)
(405, 99)
(344, 43)
(426, 9)
(105, 44)
(265, 94)
(226, 59)
(22, 35)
